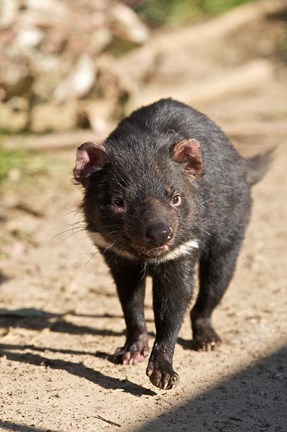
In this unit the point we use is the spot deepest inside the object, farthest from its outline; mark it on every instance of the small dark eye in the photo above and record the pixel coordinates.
(118, 202)
(176, 200)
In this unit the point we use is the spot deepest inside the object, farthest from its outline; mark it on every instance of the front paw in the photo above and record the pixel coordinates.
(161, 374)
(132, 352)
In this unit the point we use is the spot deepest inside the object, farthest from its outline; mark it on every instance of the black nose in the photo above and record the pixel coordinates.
(158, 234)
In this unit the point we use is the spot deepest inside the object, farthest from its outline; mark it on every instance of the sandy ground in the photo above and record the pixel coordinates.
(60, 318)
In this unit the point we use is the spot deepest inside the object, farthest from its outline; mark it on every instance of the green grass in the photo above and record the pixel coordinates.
(13, 160)
(282, 48)
(20, 165)
(214, 7)
(176, 12)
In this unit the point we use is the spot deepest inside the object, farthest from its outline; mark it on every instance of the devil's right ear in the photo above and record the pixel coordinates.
(188, 153)
(90, 158)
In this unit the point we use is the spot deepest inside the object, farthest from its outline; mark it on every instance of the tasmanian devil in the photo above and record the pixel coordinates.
(164, 191)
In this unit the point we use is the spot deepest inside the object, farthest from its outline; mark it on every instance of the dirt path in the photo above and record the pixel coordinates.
(60, 318)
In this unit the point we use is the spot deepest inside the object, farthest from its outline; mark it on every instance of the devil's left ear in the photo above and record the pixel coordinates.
(188, 152)
(90, 158)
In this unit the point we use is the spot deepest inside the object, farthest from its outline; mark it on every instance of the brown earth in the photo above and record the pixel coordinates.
(59, 314)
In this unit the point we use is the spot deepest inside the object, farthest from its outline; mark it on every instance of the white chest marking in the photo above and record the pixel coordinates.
(101, 242)
(179, 251)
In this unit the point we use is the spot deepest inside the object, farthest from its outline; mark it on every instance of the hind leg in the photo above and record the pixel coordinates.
(216, 268)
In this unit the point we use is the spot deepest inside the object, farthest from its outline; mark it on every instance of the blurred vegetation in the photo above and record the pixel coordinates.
(176, 12)
(18, 165)
(282, 49)
(12, 160)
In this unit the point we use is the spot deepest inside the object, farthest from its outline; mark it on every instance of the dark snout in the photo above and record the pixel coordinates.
(158, 234)
(152, 228)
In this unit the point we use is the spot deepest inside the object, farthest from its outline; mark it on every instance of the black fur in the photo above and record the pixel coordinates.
(165, 176)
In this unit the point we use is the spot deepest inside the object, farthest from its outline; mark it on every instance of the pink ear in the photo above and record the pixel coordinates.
(90, 158)
(188, 152)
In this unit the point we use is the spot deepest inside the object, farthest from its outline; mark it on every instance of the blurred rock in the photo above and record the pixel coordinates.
(79, 82)
(96, 114)
(47, 12)
(8, 12)
(51, 53)
(15, 78)
(14, 115)
(28, 38)
(48, 117)
(100, 40)
(126, 24)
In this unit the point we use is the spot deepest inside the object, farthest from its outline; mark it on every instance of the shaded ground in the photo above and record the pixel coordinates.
(60, 317)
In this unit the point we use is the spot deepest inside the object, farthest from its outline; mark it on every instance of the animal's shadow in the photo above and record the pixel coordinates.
(32, 354)
(34, 319)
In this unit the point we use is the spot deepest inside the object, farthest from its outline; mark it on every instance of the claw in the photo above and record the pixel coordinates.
(162, 375)
(131, 354)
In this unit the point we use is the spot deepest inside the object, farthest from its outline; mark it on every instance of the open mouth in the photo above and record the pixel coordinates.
(154, 252)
